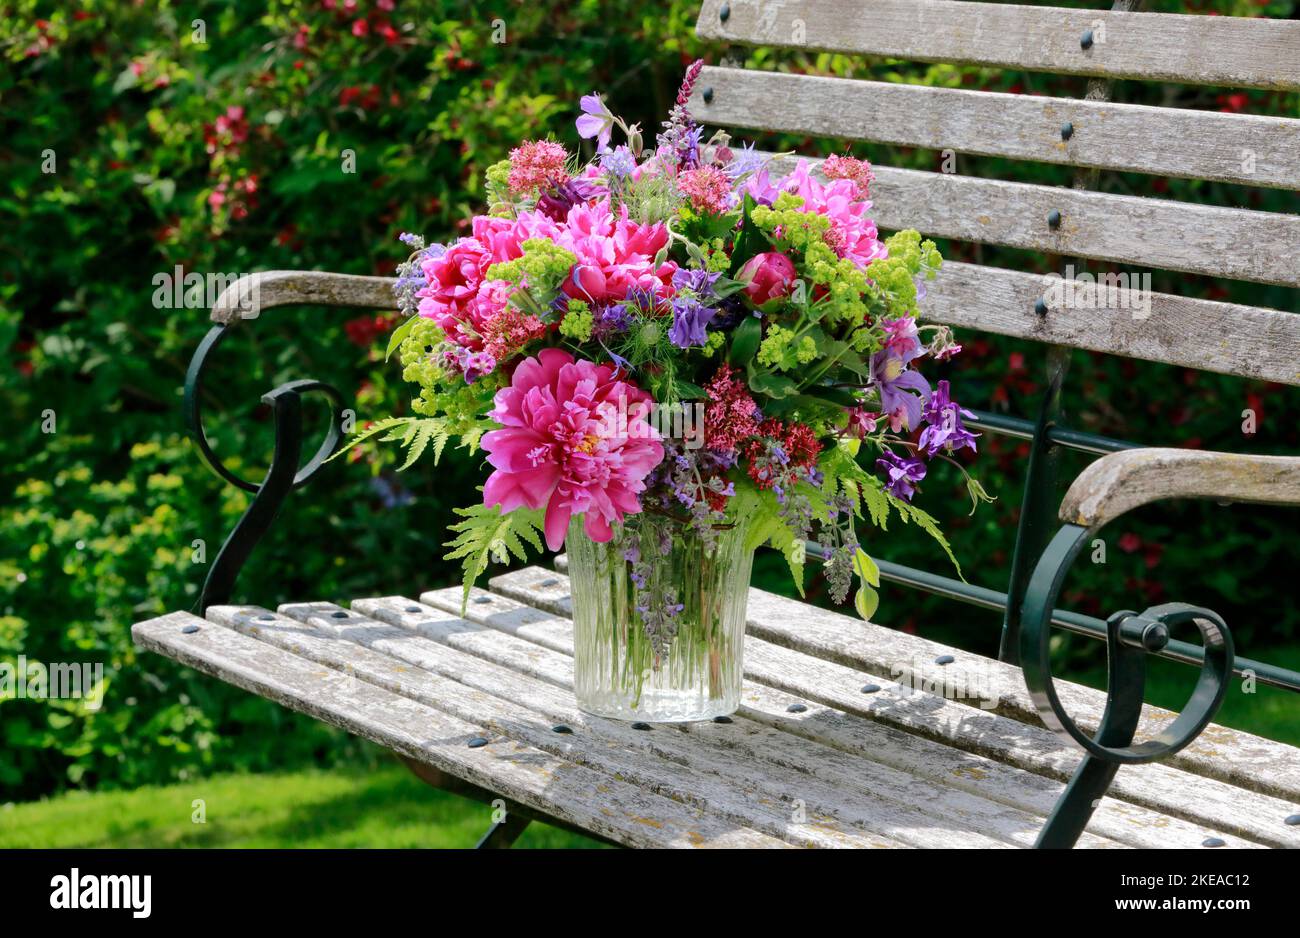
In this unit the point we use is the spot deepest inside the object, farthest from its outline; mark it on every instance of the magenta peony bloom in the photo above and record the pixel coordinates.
(574, 440)
(615, 254)
(771, 276)
(852, 234)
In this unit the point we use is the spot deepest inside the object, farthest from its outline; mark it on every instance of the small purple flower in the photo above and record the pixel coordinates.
(477, 364)
(596, 121)
(747, 160)
(894, 380)
(944, 430)
(619, 162)
(556, 202)
(902, 474)
(690, 319)
(699, 282)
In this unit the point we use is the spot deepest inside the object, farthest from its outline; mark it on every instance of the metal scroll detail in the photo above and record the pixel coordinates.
(281, 478)
(1130, 637)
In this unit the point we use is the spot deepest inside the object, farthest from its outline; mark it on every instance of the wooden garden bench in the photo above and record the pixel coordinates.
(851, 734)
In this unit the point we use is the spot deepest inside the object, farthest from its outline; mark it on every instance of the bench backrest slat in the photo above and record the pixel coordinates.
(1238, 148)
(1158, 327)
(1241, 244)
(1233, 51)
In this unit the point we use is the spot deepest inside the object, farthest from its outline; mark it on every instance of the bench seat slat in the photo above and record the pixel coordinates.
(1147, 233)
(592, 800)
(1228, 338)
(866, 739)
(511, 704)
(1237, 148)
(836, 683)
(854, 800)
(1221, 50)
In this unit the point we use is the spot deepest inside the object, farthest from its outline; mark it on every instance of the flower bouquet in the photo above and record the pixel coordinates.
(670, 357)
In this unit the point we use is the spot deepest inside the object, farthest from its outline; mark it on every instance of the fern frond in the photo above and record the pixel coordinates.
(486, 535)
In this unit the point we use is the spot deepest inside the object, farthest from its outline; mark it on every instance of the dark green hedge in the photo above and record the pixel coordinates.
(228, 155)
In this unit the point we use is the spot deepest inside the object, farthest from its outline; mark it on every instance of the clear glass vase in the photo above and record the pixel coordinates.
(659, 620)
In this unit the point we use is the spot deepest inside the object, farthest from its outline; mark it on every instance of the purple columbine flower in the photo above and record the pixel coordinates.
(944, 430)
(902, 474)
(699, 282)
(596, 121)
(690, 319)
(894, 380)
(556, 202)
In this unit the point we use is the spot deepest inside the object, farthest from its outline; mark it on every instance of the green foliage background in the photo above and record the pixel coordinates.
(99, 520)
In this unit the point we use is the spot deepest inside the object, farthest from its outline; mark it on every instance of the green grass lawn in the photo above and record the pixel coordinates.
(383, 807)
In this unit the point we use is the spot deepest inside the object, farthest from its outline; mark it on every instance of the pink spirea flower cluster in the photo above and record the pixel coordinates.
(847, 167)
(574, 439)
(537, 165)
(708, 189)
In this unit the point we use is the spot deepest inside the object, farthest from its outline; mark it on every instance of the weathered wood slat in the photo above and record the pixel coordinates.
(875, 739)
(855, 797)
(591, 800)
(1239, 148)
(860, 653)
(1219, 50)
(1120, 482)
(1147, 233)
(1227, 338)
(510, 704)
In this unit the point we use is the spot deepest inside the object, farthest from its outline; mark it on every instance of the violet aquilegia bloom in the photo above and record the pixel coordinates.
(902, 473)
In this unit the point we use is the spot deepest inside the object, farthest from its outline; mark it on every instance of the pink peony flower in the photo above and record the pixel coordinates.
(614, 253)
(852, 234)
(771, 276)
(574, 440)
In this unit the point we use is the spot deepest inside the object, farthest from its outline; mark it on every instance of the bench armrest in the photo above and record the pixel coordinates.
(1120, 482)
(252, 293)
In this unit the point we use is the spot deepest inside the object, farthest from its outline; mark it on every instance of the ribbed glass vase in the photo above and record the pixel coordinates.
(659, 620)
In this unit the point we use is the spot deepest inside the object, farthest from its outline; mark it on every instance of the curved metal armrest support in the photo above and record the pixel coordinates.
(1108, 488)
(1119, 482)
(245, 299)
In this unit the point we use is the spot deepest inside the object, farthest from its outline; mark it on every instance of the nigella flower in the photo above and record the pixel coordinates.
(902, 474)
(596, 121)
(690, 319)
(945, 430)
(619, 162)
(747, 160)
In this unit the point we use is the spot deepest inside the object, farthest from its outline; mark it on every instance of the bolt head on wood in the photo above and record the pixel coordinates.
(640, 726)
(1040, 307)
(796, 708)
(1067, 130)
(477, 742)
(944, 659)
(1212, 842)
(562, 728)
(339, 615)
(1085, 41)
(189, 630)
(1054, 219)
(725, 13)
(722, 719)
(1293, 820)
(708, 95)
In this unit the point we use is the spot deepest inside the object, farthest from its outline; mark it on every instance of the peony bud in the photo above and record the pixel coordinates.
(770, 277)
